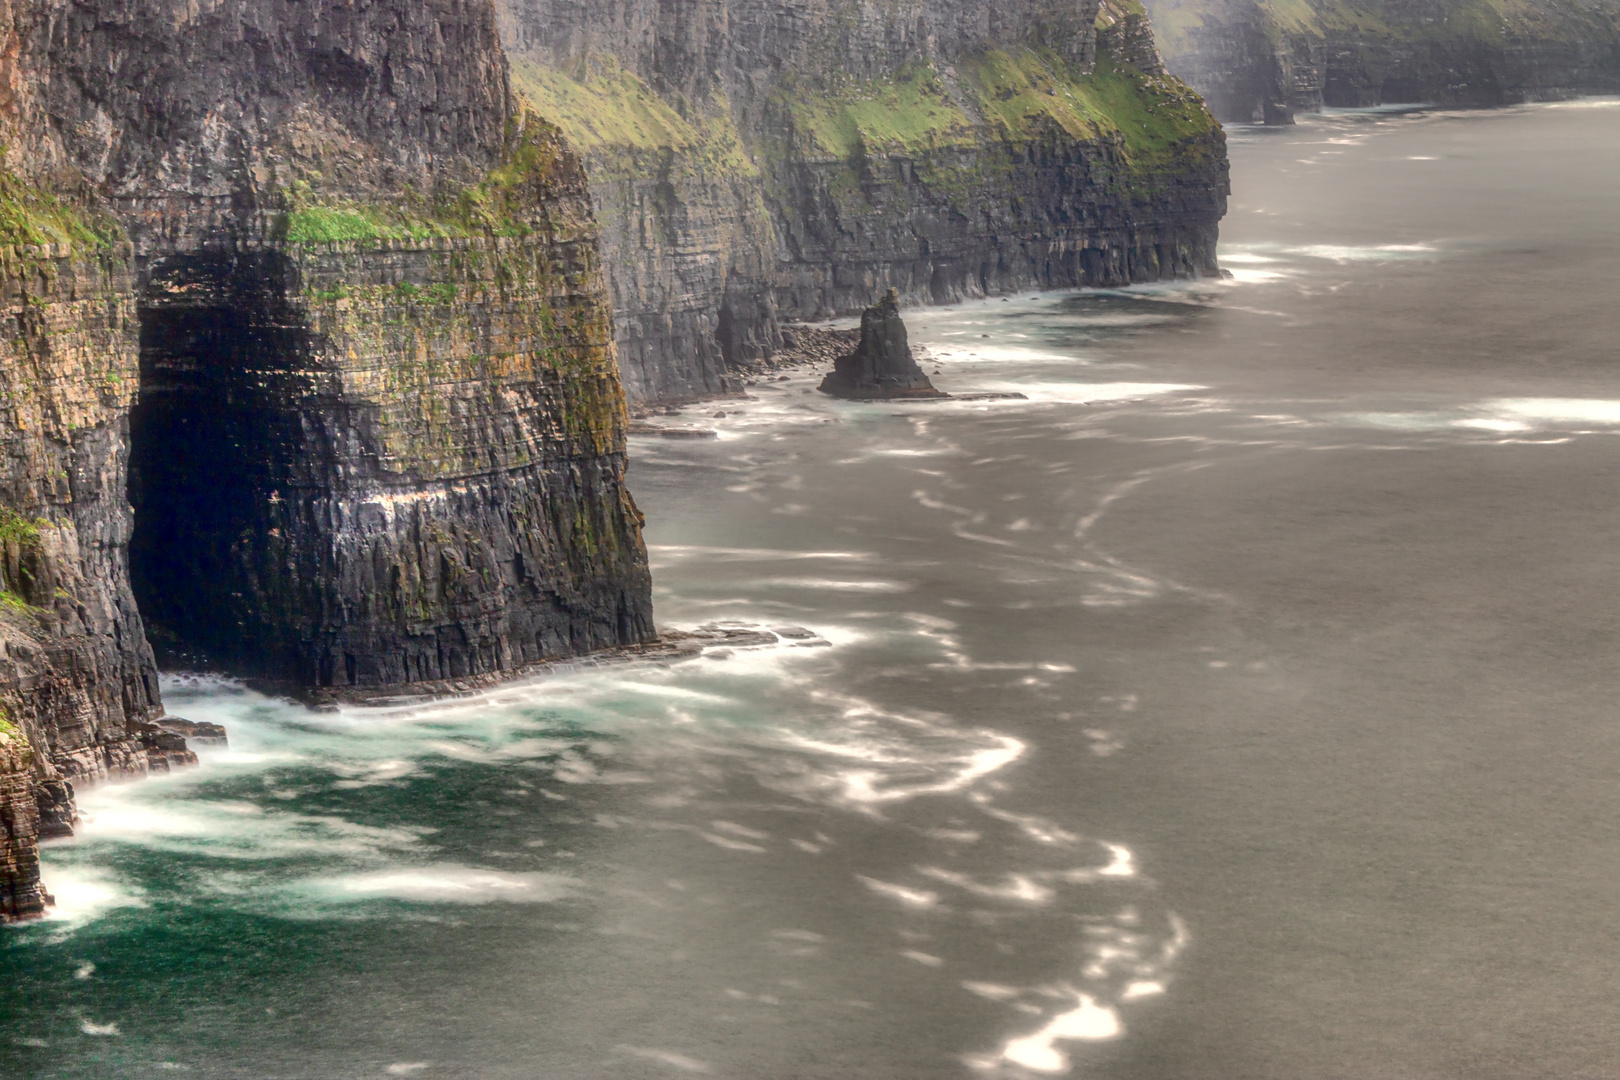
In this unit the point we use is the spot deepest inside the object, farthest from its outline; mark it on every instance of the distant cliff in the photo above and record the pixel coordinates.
(311, 375)
(753, 163)
(1263, 60)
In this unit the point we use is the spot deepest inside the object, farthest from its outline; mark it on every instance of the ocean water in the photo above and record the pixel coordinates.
(1240, 703)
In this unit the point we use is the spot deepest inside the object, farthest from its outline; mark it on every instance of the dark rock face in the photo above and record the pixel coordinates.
(296, 279)
(20, 894)
(381, 489)
(1256, 63)
(795, 160)
(881, 365)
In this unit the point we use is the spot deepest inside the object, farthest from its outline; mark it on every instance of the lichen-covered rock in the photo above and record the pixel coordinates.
(796, 159)
(881, 365)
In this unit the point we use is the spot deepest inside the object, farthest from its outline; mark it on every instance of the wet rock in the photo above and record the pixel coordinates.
(195, 733)
(881, 366)
(661, 432)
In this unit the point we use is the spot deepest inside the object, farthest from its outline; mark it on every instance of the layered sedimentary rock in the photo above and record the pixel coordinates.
(1262, 61)
(881, 364)
(306, 265)
(21, 896)
(755, 162)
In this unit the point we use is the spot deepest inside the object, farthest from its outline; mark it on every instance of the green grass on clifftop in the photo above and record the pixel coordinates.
(498, 205)
(615, 120)
(1009, 95)
(913, 111)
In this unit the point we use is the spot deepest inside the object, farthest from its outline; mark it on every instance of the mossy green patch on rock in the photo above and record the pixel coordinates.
(912, 111)
(16, 753)
(1002, 95)
(1154, 116)
(15, 528)
(501, 204)
(30, 215)
(616, 120)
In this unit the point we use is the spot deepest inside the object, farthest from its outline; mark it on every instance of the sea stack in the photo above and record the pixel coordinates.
(881, 365)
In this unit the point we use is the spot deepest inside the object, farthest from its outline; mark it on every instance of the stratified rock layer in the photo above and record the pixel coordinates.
(20, 894)
(306, 265)
(881, 366)
(1262, 61)
(795, 160)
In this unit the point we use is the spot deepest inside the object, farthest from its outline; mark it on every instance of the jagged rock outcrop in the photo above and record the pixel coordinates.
(21, 896)
(881, 365)
(307, 267)
(1262, 61)
(796, 159)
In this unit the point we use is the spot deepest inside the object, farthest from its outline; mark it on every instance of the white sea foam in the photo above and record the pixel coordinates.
(1086, 1022)
(1077, 393)
(665, 1057)
(1021, 887)
(667, 553)
(836, 585)
(1247, 275)
(83, 894)
(442, 883)
(1142, 988)
(925, 959)
(920, 898)
(1558, 410)
(1581, 103)
(993, 991)
(730, 843)
(1505, 416)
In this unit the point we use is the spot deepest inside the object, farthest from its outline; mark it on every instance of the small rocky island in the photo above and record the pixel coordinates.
(881, 365)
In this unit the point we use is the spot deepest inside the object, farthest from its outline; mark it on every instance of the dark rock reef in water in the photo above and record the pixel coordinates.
(795, 159)
(1263, 61)
(881, 366)
(297, 280)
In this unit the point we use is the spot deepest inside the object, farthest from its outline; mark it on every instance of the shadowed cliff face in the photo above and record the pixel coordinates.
(755, 163)
(341, 305)
(288, 526)
(1254, 60)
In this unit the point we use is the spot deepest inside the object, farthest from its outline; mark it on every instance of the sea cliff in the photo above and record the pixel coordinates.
(1265, 60)
(312, 374)
(758, 163)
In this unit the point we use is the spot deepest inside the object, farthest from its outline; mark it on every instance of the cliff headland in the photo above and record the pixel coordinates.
(311, 374)
(1264, 60)
(316, 370)
(791, 161)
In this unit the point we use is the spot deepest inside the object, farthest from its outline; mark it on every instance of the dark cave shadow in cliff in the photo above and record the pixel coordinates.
(271, 539)
(212, 438)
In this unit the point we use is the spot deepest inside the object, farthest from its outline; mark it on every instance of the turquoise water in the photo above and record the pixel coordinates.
(1239, 703)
